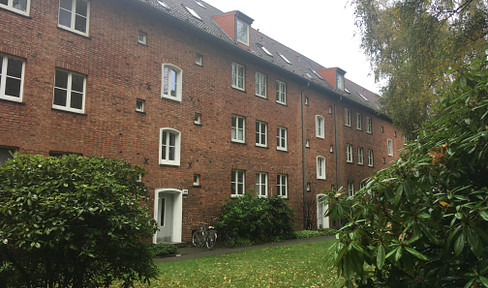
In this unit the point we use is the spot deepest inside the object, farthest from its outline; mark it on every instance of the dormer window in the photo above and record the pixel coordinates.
(242, 32)
(340, 81)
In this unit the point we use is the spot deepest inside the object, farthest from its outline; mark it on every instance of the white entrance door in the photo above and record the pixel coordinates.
(168, 215)
(322, 221)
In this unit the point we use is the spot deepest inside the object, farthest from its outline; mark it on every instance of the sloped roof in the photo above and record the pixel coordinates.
(295, 62)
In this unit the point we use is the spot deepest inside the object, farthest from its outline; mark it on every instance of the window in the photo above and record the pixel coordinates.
(196, 180)
(350, 188)
(142, 38)
(6, 153)
(172, 82)
(193, 13)
(282, 185)
(238, 76)
(359, 121)
(389, 143)
(369, 125)
(11, 78)
(281, 139)
(281, 92)
(349, 153)
(140, 105)
(340, 81)
(199, 60)
(382, 129)
(307, 143)
(238, 129)
(18, 6)
(320, 167)
(347, 117)
(370, 158)
(69, 91)
(74, 15)
(307, 102)
(237, 183)
(360, 155)
(284, 59)
(198, 119)
(242, 32)
(319, 126)
(260, 84)
(169, 148)
(261, 134)
(262, 184)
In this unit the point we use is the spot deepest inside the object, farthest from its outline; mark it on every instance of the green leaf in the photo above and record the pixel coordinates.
(416, 253)
(484, 215)
(474, 242)
(380, 257)
(484, 281)
(398, 254)
(459, 243)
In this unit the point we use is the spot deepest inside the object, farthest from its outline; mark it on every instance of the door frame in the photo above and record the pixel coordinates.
(325, 222)
(177, 212)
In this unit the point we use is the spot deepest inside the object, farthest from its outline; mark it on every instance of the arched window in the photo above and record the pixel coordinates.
(169, 147)
(172, 82)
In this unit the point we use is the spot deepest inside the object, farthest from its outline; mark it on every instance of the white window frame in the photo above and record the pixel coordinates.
(10, 6)
(350, 188)
(260, 126)
(72, 26)
(321, 167)
(142, 37)
(3, 78)
(177, 147)
(389, 144)
(319, 126)
(262, 184)
(244, 28)
(238, 76)
(282, 185)
(69, 90)
(235, 183)
(167, 83)
(340, 81)
(347, 117)
(359, 121)
(360, 155)
(349, 156)
(280, 92)
(281, 138)
(261, 83)
(140, 105)
(235, 129)
(370, 158)
(369, 125)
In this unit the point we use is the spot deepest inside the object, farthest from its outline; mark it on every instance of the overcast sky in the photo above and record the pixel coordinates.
(322, 30)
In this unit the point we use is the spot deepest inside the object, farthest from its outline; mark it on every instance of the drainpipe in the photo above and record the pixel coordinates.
(337, 154)
(304, 181)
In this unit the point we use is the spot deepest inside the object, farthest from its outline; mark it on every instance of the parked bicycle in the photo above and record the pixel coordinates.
(204, 236)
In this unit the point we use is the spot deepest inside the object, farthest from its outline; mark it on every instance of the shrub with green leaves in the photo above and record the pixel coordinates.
(258, 219)
(424, 221)
(73, 221)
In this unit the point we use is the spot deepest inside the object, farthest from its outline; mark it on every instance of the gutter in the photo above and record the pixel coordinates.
(336, 148)
(304, 181)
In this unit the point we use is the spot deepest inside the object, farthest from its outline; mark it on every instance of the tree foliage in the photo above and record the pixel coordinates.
(412, 44)
(423, 222)
(73, 221)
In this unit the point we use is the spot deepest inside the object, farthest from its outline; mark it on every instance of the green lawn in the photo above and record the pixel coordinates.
(301, 265)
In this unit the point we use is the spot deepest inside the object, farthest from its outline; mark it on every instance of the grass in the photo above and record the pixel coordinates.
(300, 265)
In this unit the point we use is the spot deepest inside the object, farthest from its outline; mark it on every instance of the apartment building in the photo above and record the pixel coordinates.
(211, 107)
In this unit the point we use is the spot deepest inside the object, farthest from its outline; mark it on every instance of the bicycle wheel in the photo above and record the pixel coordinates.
(197, 239)
(211, 238)
(229, 238)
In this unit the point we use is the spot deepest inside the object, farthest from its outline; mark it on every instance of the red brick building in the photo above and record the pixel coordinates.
(208, 105)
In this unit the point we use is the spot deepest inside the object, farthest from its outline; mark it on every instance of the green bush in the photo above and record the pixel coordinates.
(423, 222)
(161, 249)
(304, 234)
(74, 222)
(258, 219)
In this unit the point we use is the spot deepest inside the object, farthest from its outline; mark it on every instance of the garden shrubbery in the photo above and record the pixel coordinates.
(258, 219)
(73, 221)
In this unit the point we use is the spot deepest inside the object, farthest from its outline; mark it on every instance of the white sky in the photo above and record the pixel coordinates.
(322, 30)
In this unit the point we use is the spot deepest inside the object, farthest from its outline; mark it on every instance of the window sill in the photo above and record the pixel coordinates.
(169, 164)
(261, 97)
(16, 11)
(282, 150)
(239, 89)
(68, 111)
(87, 36)
(260, 146)
(281, 103)
(238, 142)
(12, 101)
(171, 98)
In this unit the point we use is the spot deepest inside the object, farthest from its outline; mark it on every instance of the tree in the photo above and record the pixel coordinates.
(73, 221)
(413, 44)
(423, 222)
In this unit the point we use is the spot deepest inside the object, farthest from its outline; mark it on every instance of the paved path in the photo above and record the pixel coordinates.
(188, 252)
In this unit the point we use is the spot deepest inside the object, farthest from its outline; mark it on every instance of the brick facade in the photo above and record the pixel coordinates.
(119, 70)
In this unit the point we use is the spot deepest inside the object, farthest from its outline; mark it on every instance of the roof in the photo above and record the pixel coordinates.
(261, 46)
